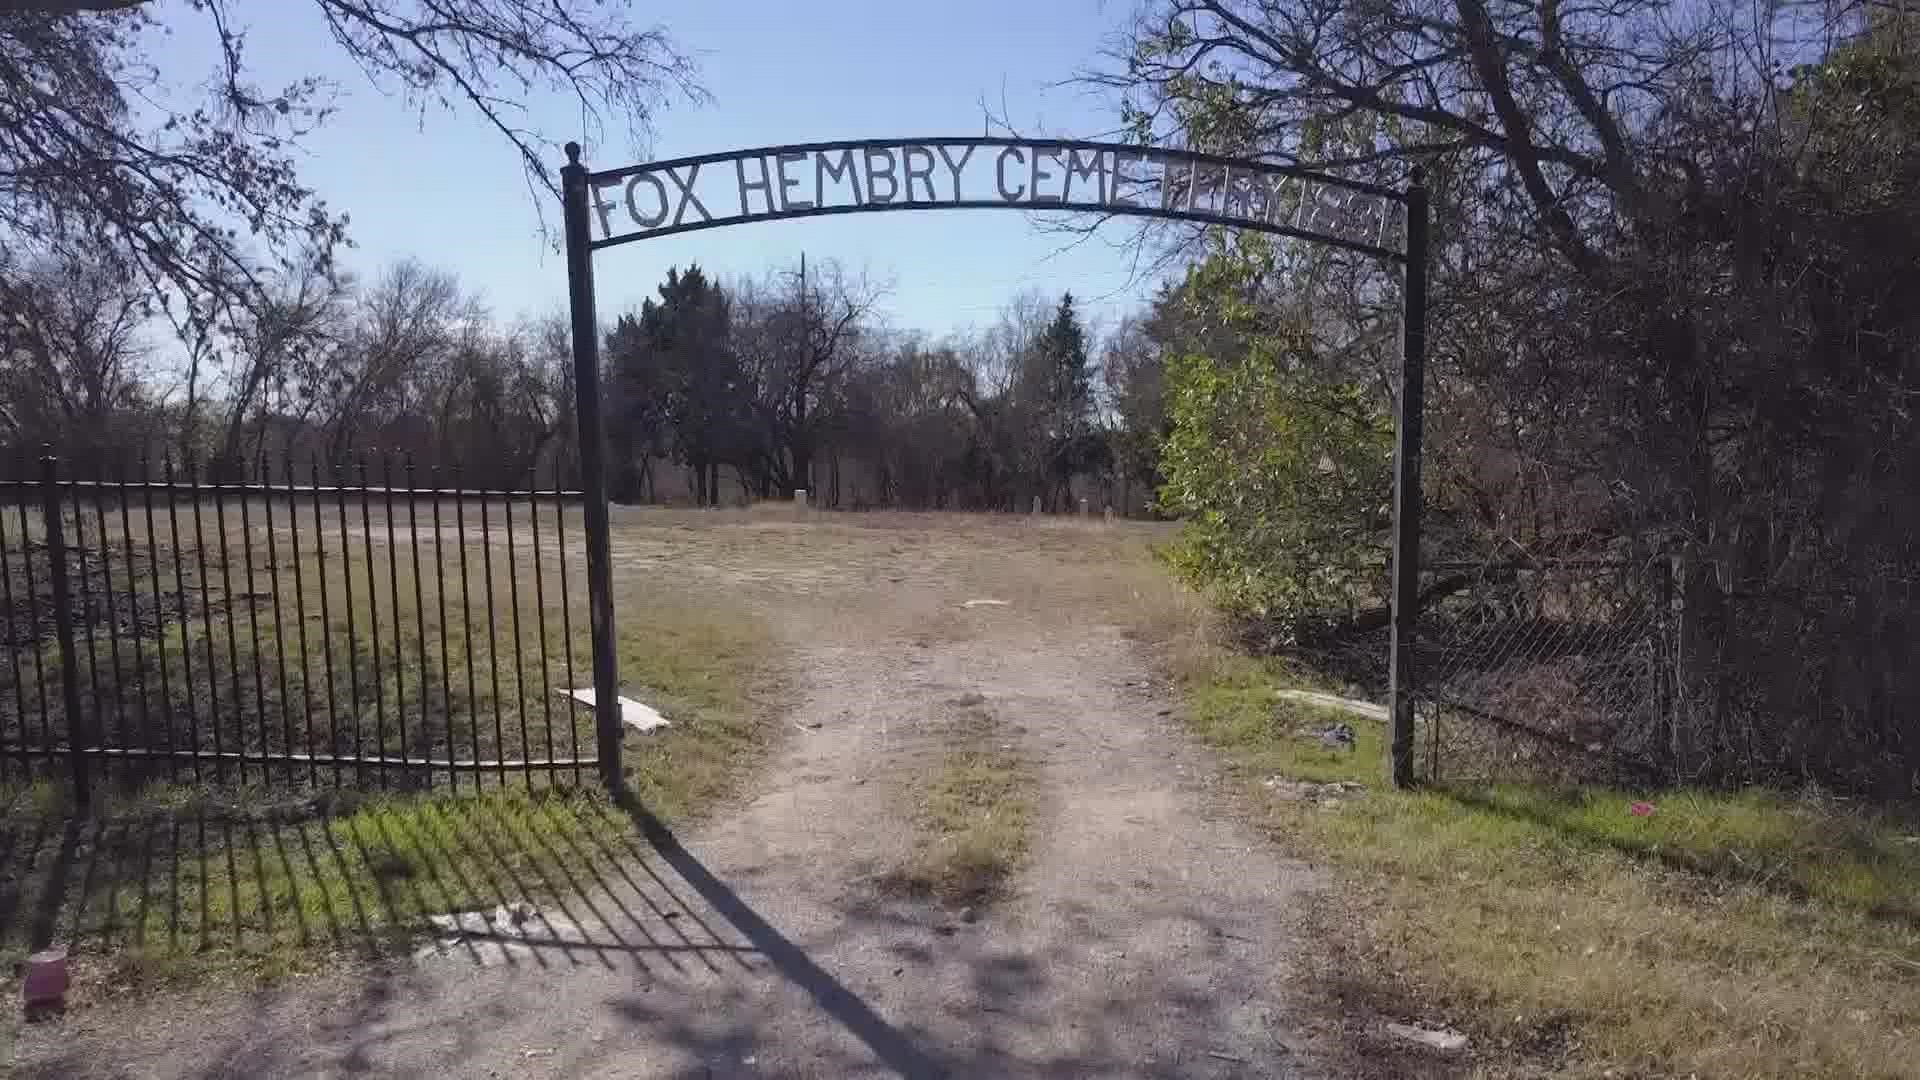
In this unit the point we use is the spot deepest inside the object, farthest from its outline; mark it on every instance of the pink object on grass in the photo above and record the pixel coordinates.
(46, 981)
(1640, 809)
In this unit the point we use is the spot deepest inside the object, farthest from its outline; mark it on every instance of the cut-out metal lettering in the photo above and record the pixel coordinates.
(811, 179)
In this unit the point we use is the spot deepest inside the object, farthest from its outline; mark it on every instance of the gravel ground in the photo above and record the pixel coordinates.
(1150, 933)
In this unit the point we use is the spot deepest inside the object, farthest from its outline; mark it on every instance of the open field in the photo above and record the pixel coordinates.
(938, 804)
(353, 632)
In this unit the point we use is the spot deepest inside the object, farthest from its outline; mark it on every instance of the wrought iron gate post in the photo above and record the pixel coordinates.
(593, 482)
(1406, 485)
(78, 729)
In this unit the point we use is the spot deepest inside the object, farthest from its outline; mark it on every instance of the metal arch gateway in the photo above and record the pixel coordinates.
(773, 183)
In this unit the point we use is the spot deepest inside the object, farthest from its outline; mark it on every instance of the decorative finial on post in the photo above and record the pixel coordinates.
(573, 154)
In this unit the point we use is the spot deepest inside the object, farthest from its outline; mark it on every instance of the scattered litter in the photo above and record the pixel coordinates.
(1330, 701)
(505, 920)
(1640, 809)
(1444, 1040)
(807, 725)
(1327, 794)
(1337, 737)
(984, 603)
(503, 935)
(1226, 1057)
(634, 714)
(534, 1052)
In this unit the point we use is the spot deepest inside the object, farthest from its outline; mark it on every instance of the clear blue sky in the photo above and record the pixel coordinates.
(448, 190)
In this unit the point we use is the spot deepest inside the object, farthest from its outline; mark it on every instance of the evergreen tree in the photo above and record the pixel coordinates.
(679, 380)
(1068, 373)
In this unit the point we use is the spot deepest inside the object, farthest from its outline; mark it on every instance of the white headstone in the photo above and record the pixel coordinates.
(1109, 515)
(799, 496)
(1036, 504)
(1083, 506)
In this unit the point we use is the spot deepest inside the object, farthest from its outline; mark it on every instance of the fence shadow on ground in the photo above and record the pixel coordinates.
(667, 959)
(153, 893)
(148, 892)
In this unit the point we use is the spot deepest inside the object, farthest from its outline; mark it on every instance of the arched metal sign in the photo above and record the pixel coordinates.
(773, 183)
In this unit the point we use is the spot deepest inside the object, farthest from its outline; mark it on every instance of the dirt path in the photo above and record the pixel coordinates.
(1150, 934)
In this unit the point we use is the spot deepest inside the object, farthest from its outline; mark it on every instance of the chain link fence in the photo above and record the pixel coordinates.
(1544, 668)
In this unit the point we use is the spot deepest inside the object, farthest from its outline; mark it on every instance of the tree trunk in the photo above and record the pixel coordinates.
(802, 464)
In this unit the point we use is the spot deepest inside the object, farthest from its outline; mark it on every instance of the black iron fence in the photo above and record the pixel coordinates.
(367, 623)
(1545, 666)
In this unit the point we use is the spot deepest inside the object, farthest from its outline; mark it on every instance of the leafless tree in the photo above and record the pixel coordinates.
(199, 199)
(800, 333)
(72, 354)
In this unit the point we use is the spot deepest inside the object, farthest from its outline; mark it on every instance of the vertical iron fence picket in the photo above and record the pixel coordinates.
(15, 733)
(182, 611)
(519, 666)
(493, 638)
(33, 620)
(52, 515)
(206, 626)
(419, 626)
(239, 705)
(353, 642)
(326, 618)
(399, 649)
(566, 623)
(127, 661)
(75, 546)
(466, 624)
(256, 658)
(279, 623)
(540, 609)
(373, 631)
(440, 599)
(133, 620)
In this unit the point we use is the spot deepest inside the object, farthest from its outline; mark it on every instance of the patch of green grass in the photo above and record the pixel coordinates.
(179, 881)
(1231, 704)
(1746, 933)
(703, 668)
(972, 822)
(186, 886)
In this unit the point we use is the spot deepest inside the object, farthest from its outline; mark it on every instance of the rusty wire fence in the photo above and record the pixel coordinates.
(366, 624)
(1545, 667)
